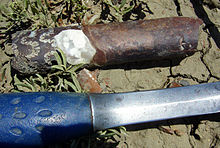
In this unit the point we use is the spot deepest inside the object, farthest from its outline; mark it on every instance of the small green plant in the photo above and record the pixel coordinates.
(32, 13)
(120, 9)
(61, 78)
(66, 75)
(36, 14)
(109, 133)
(100, 137)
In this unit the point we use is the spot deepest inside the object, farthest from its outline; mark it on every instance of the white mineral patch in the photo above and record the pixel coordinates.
(76, 46)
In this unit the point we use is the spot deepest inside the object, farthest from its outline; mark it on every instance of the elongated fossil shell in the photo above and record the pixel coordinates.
(106, 44)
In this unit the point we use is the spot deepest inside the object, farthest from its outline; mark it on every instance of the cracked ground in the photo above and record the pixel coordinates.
(201, 67)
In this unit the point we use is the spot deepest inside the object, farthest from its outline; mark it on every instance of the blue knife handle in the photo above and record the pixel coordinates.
(36, 119)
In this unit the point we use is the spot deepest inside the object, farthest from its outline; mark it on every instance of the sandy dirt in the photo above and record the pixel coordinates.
(202, 67)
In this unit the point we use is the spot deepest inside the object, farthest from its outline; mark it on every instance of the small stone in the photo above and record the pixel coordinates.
(178, 132)
(166, 130)
(174, 84)
(88, 81)
(184, 83)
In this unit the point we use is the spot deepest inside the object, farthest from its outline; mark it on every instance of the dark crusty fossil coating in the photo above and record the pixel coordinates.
(34, 50)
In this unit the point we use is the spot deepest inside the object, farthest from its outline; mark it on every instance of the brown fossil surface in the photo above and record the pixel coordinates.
(143, 40)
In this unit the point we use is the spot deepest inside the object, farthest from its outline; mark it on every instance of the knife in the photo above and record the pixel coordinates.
(41, 118)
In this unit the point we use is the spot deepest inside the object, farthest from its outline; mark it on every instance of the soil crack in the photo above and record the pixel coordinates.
(178, 9)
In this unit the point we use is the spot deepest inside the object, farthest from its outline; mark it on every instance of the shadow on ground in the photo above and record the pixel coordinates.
(188, 120)
(201, 13)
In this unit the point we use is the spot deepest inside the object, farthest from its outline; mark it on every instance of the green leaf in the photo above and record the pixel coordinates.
(46, 3)
(54, 18)
(114, 131)
(76, 82)
(16, 79)
(39, 3)
(43, 9)
(16, 91)
(3, 10)
(109, 134)
(102, 132)
(71, 85)
(123, 2)
(26, 4)
(128, 9)
(44, 83)
(31, 84)
(58, 58)
(59, 67)
(60, 84)
(40, 78)
(105, 134)
(123, 130)
(74, 68)
(24, 85)
(63, 57)
(109, 2)
(34, 10)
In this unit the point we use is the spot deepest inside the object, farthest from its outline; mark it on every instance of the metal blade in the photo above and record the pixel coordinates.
(114, 110)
